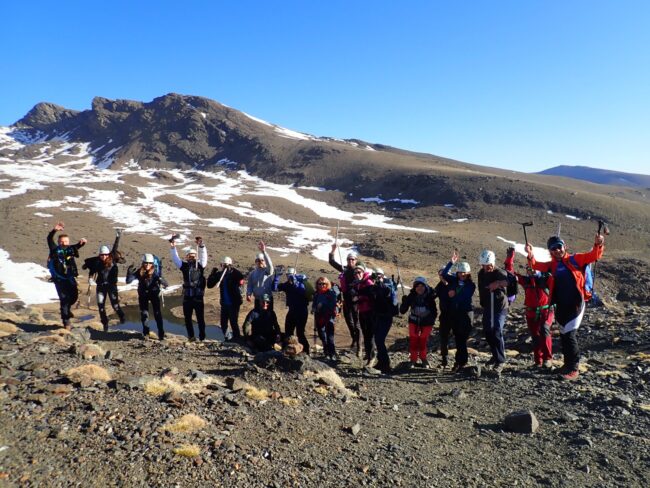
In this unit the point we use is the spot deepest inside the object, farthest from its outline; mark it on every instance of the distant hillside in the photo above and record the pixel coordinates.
(601, 176)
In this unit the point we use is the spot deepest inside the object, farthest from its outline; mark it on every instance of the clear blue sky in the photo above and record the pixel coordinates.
(520, 84)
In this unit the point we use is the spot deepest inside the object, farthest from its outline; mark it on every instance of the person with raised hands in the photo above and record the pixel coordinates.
(150, 282)
(192, 268)
(569, 293)
(260, 280)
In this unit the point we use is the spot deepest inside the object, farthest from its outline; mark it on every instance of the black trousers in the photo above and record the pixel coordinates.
(111, 292)
(383, 323)
(190, 305)
(462, 327)
(368, 329)
(230, 314)
(570, 350)
(446, 321)
(296, 322)
(68, 296)
(143, 303)
(351, 316)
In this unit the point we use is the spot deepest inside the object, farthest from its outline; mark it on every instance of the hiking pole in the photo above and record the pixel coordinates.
(524, 225)
(399, 278)
(559, 228)
(604, 229)
(337, 243)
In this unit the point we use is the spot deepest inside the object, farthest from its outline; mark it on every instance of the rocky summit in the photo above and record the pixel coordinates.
(88, 407)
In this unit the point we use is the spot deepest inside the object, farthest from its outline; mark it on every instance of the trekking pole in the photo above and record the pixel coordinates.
(221, 279)
(559, 228)
(604, 228)
(399, 278)
(337, 243)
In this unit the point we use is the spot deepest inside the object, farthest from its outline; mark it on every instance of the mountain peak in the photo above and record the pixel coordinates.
(44, 114)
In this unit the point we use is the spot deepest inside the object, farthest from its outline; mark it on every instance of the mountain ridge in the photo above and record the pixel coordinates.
(599, 176)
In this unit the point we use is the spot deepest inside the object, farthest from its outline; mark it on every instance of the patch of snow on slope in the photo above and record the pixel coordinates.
(541, 254)
(26, 280)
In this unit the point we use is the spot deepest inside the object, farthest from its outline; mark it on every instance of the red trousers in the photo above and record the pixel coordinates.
(418, 337)
(539, 325)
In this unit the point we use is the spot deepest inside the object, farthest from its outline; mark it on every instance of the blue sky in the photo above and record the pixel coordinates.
(519, 84)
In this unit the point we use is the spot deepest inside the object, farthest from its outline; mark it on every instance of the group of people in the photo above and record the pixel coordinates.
(367, 299)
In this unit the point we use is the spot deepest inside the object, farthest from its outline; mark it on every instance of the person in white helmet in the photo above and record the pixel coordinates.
(229, 280)
(150, 283)
(260, 280)
(103, 269)
(492, 285)
(350, 311)
(193, 285)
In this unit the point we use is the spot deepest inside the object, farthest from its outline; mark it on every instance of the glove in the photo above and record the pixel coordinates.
(510, 252)
(130, 269)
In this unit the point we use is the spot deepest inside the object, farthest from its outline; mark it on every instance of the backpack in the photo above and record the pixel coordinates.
(586, 270)
(61, 266)
(309, 290)
(511, 288)
(157, 265)
(393, 296)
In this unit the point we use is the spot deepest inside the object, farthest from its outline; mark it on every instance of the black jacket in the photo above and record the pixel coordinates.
(233, 280)
(500, 297)
(61, 262)
(146, 286)
(104, 276)
(423, 307)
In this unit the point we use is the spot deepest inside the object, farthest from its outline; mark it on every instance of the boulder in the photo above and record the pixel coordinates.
(523, 422)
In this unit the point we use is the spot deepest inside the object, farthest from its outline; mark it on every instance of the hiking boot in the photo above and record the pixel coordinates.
(67, 325)
(145, 333)
(425, 364)
(71, 315)
(411, 365)
(161, 336)
(359, 350)
(571, 375)
(122, 317)
(490, 363)
(456, 368)
(547, 364)
(191, 339)
(498, 368)
(372, 362)
(105, 327)
(444, 362)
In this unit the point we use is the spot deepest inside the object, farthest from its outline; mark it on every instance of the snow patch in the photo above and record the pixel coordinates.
(26, 281)
(541, 254)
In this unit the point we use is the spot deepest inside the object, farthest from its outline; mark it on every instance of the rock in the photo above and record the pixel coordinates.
(441, 413)
(88, 351)
(523, 422)
(173, 398)
(584, 441)
(355, 429)
(198, 374)
(60, 389)
(458, 393)
(622, 401)
(236, 384)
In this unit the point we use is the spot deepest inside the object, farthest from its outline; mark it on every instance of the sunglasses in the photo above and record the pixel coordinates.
(321, 284)
(556, 248)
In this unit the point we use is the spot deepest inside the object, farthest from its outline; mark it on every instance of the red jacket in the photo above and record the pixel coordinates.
(582, 258)
(538, 292)
(363, 301)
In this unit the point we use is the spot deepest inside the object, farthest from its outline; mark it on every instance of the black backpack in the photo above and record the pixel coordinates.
(512, 288)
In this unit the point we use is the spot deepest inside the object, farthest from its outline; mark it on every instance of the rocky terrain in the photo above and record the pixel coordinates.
(88, 408)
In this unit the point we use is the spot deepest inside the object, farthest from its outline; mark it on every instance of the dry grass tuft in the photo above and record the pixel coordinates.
(257, 394)
(188, 450)
(321, 390)
(290, 402)
(90, 372)
(187, 423)
(51, 339)
(161, 386)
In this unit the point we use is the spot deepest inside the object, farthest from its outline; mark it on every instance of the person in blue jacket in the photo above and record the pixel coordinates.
(461, 290)
(297, 305)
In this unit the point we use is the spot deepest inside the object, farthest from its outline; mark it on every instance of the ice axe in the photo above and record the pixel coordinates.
(603, 228)
(524, 225)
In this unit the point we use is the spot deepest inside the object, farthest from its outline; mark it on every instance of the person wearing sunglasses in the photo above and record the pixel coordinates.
(568, 293)
(324, 308)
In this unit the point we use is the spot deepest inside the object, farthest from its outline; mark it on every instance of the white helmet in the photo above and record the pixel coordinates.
(226, 260)
(104, 250)
(260, 257)
(379, 271)
(147, 258)
(352, 255)
(487, 257)
(291, 270)
(462, 267)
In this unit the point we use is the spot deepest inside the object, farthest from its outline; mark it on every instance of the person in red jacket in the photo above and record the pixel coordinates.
(568, 293)
(538, 288)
